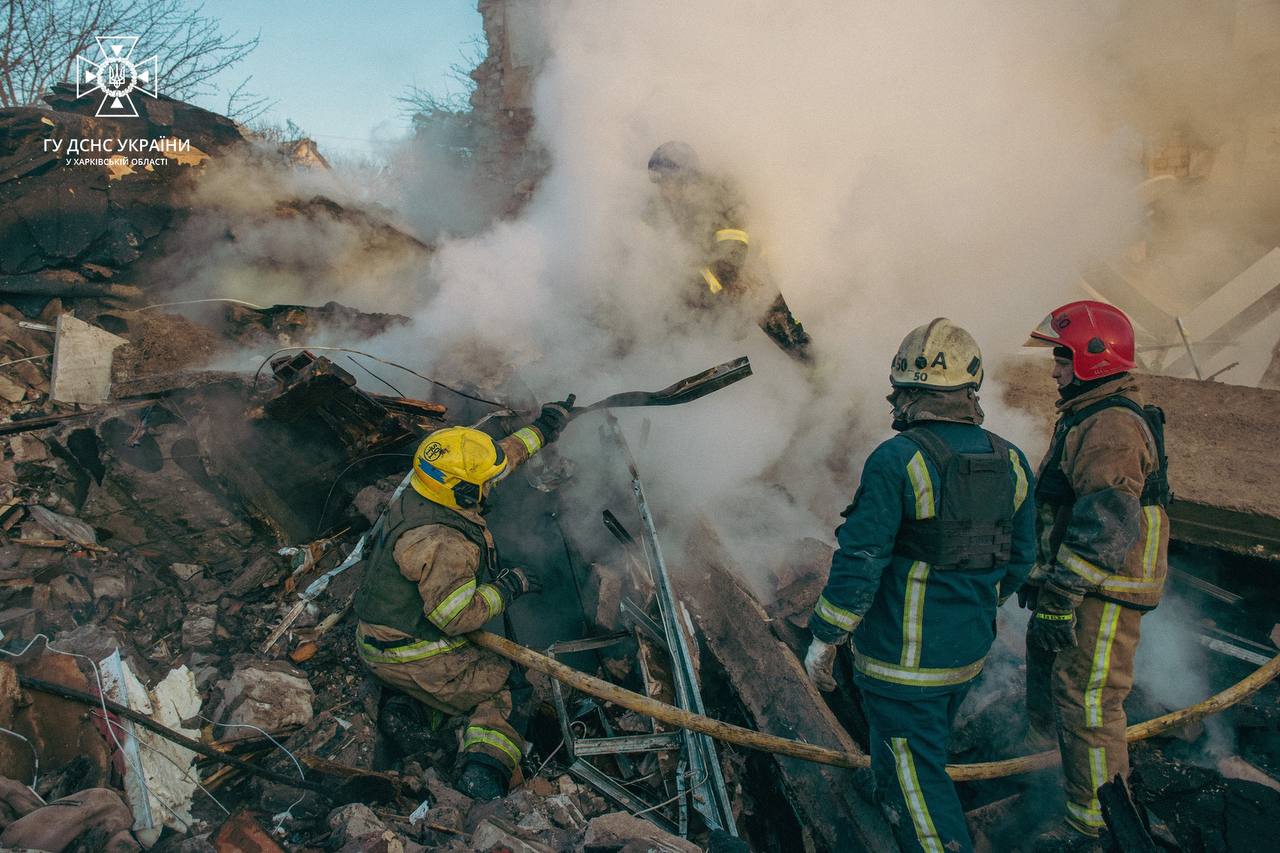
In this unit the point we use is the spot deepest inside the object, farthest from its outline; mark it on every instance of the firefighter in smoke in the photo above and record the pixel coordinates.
(706, 211)
(940, 532)
(433, 575)
(1103, 540)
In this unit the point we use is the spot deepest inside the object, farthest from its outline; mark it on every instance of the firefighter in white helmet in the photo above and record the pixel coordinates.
(939, 533)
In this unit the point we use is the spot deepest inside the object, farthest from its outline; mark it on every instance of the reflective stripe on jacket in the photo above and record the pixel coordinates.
(1106, 543)
(916, 626)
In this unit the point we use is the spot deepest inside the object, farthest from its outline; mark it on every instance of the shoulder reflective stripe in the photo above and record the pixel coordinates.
(1087, 820)
(921, 485)
(913, 614)
(732, 234)
(1080, 566)
(492, 598)
(476, 735)
(454, 603)
(1020, 480)
(915, 677)
(530, 438)
(904, 764)
(713, 283)
(843, 619)
(1101, 666)
(412, 652)
(1151, 552)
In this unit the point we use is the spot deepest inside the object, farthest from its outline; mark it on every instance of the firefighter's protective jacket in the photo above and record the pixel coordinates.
(1106, 542)
(427, 576)
(917, 627)
(712, 217)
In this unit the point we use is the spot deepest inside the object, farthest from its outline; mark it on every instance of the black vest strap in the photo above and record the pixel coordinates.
(1055, 489)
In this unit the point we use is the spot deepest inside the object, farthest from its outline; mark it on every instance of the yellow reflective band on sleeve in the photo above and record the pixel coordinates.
(732, 234)
(921, 485)
(913, 614)
(713, 283)
(915, 676)
(413, 652)
(1019, 480)
(1101, 667)
(1080, 566)
(530, 438)
(1151, 552)
(477, 735)
(904, 765)
(492, 598)
(454, 603)
(843, 619)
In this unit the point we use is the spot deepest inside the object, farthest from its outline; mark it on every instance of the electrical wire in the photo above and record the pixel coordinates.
(287, 814)
(21, 360)
(352, 359)
(198, 302)
(435, 382)
(678, 795)
(325, 508)
(186, 773)
(102, 696)
(35, 757)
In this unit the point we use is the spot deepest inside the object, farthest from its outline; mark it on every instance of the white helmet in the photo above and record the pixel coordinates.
(940, 355)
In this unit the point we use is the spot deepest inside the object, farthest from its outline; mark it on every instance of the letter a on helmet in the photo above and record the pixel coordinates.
(937, 355)
(1099, 336)
(455, 466)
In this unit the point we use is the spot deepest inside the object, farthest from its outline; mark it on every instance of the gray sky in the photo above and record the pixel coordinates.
(335, 67)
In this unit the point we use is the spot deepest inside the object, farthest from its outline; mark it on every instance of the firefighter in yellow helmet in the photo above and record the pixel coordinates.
(433, 575)
(707, 211)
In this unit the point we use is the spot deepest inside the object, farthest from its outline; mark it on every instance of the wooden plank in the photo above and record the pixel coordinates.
(834, 805)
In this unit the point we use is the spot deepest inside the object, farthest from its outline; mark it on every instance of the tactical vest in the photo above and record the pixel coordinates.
(973, 526)
(1054, 488)
(386, 596)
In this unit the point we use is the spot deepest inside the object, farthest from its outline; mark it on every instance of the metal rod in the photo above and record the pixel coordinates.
(714, 804)
(1191, 353)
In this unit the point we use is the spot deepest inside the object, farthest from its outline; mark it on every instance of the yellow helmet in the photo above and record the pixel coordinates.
(454, 466)
(940, 355)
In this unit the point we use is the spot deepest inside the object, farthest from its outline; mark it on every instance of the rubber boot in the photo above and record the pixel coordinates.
(483, 778)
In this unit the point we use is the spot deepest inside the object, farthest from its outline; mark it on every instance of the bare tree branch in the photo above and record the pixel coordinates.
(43, 37)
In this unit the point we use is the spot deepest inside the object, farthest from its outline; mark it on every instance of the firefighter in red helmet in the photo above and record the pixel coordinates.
(1103, 536)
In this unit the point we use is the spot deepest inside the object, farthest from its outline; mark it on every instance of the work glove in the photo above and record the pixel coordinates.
(1027, 595)
(552, 418)
(820, 663)
(513, 583)
(1053, 624)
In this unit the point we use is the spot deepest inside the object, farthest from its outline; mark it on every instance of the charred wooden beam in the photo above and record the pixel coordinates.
(833, 804)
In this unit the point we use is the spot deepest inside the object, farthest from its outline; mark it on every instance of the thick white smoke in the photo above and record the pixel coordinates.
(900, 162)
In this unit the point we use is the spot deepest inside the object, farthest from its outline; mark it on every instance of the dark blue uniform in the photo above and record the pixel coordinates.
(920, 633)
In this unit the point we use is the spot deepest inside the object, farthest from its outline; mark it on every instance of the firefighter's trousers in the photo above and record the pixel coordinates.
(909, 760)
(466, 681)
(1080, 693)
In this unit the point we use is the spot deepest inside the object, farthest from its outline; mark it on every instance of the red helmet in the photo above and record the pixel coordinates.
(1099, 336)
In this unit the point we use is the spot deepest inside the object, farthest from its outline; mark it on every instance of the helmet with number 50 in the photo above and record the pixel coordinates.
(939, 355)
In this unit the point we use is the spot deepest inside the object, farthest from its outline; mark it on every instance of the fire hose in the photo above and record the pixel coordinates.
(740, 736)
